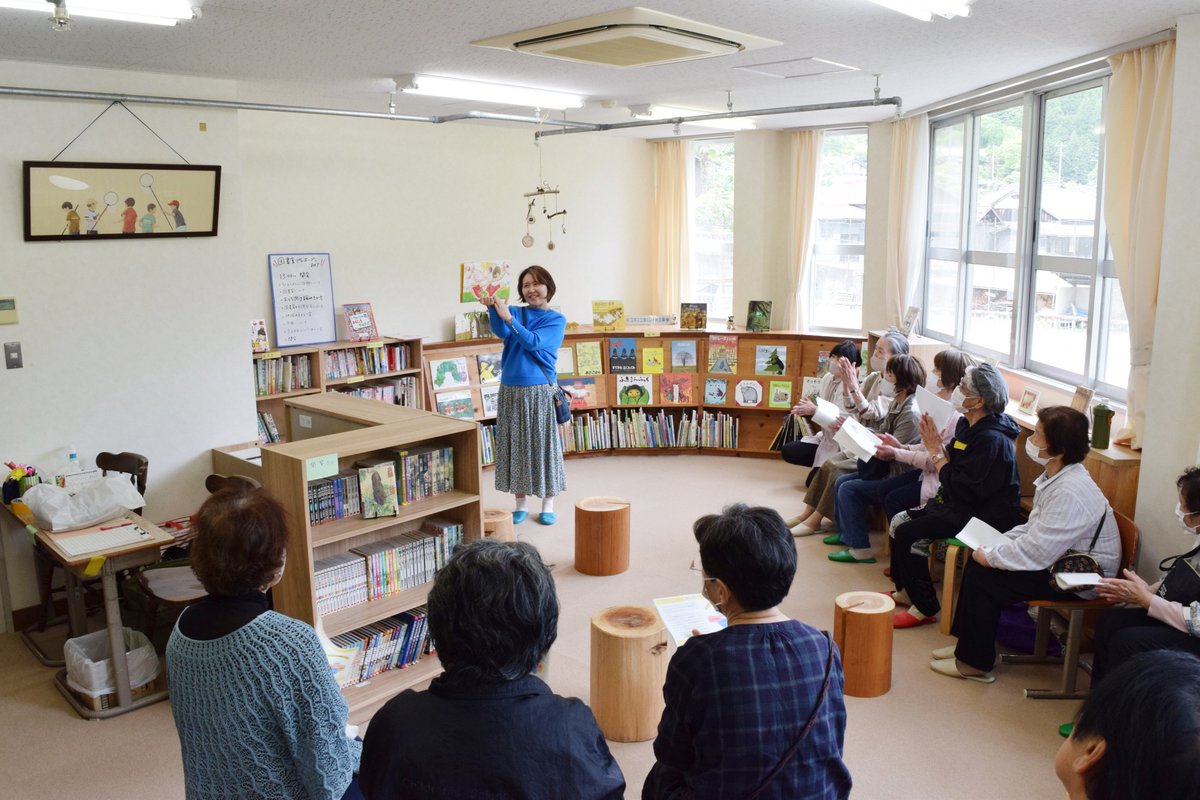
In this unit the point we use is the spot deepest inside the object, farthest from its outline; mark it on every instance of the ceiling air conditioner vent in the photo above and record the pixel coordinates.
(631, 37)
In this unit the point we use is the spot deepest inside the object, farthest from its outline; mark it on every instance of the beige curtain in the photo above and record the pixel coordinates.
(1137, 142)
(908, 183)
(669, 226)
(805, 165)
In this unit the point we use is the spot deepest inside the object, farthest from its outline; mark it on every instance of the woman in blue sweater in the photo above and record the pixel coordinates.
(529, 458)
(255, 703)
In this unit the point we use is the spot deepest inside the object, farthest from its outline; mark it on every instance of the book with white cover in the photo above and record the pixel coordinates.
(855, 438)
(978, 533)
(938, 409)
(1072, 581)
(827, 413)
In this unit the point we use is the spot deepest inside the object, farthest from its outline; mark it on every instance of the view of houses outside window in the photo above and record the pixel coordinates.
(710, 227)
(835, 275)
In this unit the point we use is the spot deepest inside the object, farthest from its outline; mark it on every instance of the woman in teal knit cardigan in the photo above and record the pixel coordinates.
(258, 712)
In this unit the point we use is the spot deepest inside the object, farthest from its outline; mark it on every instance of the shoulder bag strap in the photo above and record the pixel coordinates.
(1169, 562)
(808, 725)
(1099, 527)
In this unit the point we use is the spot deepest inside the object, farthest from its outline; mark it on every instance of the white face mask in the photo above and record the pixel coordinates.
(1034, 453)
(878, 362)
(958, 400)
(887, 389)
(1182, 517)
(934, 382)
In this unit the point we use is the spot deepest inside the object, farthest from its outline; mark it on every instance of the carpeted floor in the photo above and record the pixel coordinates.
(929, 737)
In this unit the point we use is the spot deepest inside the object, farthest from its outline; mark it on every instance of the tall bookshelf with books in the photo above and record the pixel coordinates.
(651, 389)
(377, 498)
(387, 369)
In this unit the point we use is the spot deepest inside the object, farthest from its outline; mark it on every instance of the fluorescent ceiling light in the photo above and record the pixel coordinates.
(503, 94)
(671, 112)
(151, 12)
(925, 9)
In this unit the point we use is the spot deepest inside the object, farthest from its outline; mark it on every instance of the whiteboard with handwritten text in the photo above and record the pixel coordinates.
(302, 287)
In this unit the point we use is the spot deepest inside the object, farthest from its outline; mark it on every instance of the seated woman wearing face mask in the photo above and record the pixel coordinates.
(813, 453)
(1164, 615)
(1069, 514)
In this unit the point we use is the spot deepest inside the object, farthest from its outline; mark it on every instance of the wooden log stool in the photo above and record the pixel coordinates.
(629, 668)
(862, 630)
(602, 535)
(497, 524)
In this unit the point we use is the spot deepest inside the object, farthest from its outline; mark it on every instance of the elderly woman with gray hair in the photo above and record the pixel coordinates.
(978, 473)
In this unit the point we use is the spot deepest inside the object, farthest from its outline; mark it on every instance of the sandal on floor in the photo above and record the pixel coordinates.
(834, 539)
(949, 667)
(846, 557)
(803, 529)
(520, 516)
(897, 602)
(903, 619)
(944, 652)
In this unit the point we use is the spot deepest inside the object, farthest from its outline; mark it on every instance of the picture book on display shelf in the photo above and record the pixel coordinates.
(490, 397)
(715, 391)
(258, 336)
(676, 387)
(580, 391)
(608, 315)
(448, 373)
(472, 325)
(758, 316)
(748, 393)
(770, 360)
(693, 316)
(360, 322)
(489, 367)
(622, 356)
(652, 360)
(480, 279)
(587, 359)
(377, 490)
(566, 361)
(634, 390)
(722, 354)
(683, 355)
(779, 394)
(456, 404)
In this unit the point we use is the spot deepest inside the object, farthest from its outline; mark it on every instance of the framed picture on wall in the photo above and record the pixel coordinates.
(79, 201)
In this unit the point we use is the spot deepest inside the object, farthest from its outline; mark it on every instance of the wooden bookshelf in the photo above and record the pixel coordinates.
(757, 424)
(350, 429)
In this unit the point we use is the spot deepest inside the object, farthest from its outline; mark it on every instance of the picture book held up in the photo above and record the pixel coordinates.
(360, 322)
(480, 279)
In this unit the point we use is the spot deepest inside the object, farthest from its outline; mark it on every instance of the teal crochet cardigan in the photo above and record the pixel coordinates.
(259, 714)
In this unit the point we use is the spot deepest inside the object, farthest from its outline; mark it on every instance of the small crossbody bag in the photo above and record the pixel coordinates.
(1181, 584)
(1080, 562)
(562, 403)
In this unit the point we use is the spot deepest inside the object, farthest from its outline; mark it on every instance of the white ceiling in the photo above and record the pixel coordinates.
(343, 54)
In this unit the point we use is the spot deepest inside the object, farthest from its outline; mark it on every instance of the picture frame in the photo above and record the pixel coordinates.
(1083, 397)
(1029, 401)
(85, 201)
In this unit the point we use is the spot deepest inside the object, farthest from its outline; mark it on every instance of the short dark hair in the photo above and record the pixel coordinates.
(1188, 485)
(539, 274)
(848, 350)
(493, 611)
(1147, 711)
(952, 363)
(749, 548)
(241, 541)
(908, 372)
(1066, 433)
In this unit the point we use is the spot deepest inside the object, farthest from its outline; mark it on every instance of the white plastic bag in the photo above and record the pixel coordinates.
(57, 509)
(90, 668)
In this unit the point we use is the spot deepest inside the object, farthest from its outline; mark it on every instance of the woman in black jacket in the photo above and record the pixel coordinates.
(978, 472)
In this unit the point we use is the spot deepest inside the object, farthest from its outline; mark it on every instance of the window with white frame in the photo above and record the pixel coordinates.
(710, 227)
(835, 275)
(1018, 267)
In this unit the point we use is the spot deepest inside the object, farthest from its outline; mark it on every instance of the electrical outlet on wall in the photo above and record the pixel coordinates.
(12, 355)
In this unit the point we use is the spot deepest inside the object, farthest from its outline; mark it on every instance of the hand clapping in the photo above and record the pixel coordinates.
(931, 437)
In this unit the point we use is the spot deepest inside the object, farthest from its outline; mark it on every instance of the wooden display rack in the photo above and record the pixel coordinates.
(350, 428)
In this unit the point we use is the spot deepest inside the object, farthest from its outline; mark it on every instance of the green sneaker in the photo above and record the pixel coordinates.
(1065, 729)
(833, 539)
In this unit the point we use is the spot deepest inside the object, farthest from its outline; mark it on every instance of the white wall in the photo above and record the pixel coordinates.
(142, 346)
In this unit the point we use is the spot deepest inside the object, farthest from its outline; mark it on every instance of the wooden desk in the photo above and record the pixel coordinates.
(115, 559)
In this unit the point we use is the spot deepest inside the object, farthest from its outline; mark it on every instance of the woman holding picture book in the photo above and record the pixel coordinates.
(529, 458)
(1070, 515)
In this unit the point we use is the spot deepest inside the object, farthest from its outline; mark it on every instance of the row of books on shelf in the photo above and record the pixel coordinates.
(380, 486)
(367, 360)
(402, 391)
(284, 374)
(268, 431)
(391, 643)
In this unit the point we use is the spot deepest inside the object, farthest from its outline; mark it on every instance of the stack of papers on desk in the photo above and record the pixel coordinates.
(854, 438)
(90, 540)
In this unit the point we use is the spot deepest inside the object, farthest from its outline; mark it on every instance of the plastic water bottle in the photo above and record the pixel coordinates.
(73, 462)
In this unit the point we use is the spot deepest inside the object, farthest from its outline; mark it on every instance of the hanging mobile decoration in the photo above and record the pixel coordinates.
(542, 191)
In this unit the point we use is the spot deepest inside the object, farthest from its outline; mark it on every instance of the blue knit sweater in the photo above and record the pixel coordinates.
(259, 714)
(531, 344)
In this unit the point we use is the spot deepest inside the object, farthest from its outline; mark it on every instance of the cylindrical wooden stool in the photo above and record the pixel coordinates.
(629, 668)
(862, 630)
(497, 524)
(602, 535)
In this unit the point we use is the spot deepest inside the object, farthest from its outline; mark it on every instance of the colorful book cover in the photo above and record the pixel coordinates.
(770, 359)
(360, 322)
(490, 397)
(258, 336)
(489, 367)
(652, 360)
(472, 325)
(622, 355)
(758, 316)
(722, 354)
(823, 362)
(676, 387)
(566, 361)
(748, 393)
(581, 391)
(456, 404)
(377, 491)
(714, 391)
(683, 355)
(693, 316)
(448, 373)
(634, 390)
(587, 359)
(608, 315)
(481, 279)
(810, 388)
(779, 394)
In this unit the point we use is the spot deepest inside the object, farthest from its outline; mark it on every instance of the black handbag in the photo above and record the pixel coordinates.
(1181, 584)
(1073, 561)
(874, 470)
(562, 403)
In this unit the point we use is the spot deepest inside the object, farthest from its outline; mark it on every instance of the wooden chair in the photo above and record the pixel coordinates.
(1074, 611)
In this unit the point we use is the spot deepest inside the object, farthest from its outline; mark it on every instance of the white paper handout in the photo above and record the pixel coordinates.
(938, 409)
(978, 533)
(1070, 581)
(827, 413)
(686, 613)
(860, 441)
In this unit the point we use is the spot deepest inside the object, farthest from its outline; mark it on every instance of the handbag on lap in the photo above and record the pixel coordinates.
(1072, 561)
(1181, 584)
